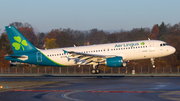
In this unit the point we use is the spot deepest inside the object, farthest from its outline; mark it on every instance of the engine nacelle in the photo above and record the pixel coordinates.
(114, 62)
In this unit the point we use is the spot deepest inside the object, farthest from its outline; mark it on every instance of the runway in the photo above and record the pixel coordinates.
(96, 89)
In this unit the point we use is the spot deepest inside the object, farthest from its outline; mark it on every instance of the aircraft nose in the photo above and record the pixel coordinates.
(173, 50)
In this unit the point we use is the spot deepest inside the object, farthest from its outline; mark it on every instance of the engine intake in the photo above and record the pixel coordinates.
(114, 62)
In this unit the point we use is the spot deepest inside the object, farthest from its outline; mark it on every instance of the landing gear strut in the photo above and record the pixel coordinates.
(95, 69)
(152, 61)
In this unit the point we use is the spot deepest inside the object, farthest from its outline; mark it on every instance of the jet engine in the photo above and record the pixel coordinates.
(114, 62)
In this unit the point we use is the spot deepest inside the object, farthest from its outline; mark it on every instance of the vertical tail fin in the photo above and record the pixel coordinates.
(18, 42)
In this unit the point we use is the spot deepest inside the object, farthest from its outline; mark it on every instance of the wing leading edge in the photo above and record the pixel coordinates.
(87, 59)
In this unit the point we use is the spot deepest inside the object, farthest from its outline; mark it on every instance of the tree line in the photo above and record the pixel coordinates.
(58, 38)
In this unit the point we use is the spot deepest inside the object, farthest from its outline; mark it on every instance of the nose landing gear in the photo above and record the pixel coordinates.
(152, 61)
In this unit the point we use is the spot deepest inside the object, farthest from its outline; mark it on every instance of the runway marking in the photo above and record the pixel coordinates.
(173, 95)
(66, 96)
(21, 90)
(91, 91)
(125, 91)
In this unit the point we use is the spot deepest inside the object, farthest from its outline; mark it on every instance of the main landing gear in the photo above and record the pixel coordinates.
(152, 61)
(95, 70)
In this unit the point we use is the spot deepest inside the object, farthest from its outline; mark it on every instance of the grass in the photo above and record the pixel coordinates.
(5, 85)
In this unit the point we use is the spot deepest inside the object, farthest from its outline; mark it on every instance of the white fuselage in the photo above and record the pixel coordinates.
(132, 50)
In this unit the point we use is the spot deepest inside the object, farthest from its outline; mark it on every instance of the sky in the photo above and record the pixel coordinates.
(45, 15)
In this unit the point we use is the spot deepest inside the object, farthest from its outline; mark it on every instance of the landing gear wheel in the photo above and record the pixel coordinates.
(124, 64)
(93, 71)
(98, 71)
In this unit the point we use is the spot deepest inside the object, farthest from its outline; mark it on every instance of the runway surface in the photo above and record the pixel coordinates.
(96, 89)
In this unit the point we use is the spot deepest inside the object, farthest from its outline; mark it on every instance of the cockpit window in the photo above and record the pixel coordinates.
(164, 44)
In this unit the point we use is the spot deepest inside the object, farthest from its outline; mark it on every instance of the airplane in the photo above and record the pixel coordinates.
(110, 54)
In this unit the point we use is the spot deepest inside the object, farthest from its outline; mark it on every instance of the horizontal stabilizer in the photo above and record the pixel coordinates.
(15, 57)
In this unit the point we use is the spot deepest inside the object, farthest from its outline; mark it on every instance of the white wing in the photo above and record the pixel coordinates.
(87, 59)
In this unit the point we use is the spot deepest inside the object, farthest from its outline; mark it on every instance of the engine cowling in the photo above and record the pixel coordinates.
(114, 62)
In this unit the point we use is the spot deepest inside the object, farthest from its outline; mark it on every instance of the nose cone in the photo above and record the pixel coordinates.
(172, 50)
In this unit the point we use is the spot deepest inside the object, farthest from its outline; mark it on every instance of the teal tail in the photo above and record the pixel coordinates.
(18, 42)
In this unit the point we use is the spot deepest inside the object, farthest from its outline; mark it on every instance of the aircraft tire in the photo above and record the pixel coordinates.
(93, 71)
(124, 64)
(98, 71)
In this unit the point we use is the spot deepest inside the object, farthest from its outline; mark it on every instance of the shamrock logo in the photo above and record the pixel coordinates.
(142, 43)
(17, 45)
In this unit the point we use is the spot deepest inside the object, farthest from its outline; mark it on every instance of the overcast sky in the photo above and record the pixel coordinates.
(45, 15)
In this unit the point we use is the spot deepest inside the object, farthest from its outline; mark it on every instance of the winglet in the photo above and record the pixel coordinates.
(65, 51)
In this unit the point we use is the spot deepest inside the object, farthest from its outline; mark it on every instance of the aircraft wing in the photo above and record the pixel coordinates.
(87, 59)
